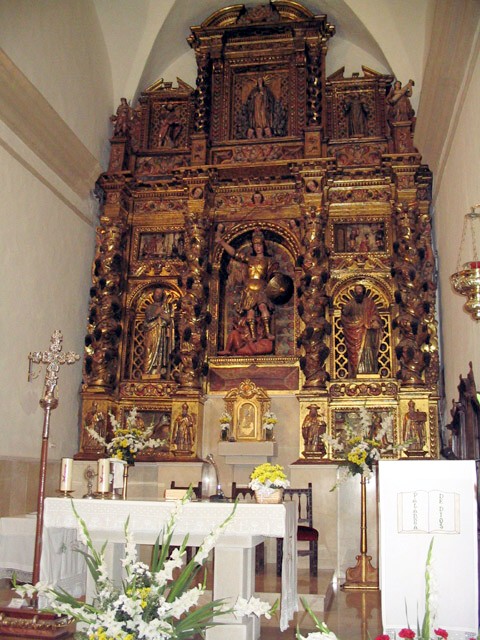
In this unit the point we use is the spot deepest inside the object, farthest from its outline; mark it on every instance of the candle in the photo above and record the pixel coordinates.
(66, 474)
(103, 484)
(117, 467)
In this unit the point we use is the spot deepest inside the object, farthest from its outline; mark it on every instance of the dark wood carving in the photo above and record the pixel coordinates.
(465, 424)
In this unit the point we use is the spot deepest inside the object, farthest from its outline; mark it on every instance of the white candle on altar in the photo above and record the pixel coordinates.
(66, 474)
(103, 484)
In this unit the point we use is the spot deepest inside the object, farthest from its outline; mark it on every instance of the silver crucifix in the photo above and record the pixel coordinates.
(53, 358)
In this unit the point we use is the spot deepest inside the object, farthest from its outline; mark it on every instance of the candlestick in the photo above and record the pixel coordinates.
(66, 474)
(103, 484)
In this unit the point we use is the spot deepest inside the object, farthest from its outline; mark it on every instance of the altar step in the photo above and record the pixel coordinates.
(318, 590)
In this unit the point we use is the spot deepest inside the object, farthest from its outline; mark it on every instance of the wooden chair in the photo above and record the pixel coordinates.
(196, 490)
(305, 531)
(248, 495)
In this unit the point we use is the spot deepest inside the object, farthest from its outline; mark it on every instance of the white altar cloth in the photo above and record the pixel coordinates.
(61, 562)
(251, 524)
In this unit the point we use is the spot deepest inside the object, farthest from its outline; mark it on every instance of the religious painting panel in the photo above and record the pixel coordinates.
(95, 418)
(378, 423)
(158, 420)
(155, 245)
(362, 335)
(359, 237)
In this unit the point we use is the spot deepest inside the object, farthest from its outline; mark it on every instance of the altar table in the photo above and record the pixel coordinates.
(234, 569)
(64, 566)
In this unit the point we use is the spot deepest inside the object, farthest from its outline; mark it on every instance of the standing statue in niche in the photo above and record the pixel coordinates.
(258, 269)
(158, 338)
(362, 325)
(183, 433)
(263, 116)
(260, 107)
(356, 111)
(399, 108)
(313, 428)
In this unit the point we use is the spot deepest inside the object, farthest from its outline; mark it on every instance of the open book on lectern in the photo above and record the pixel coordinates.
(431, 511)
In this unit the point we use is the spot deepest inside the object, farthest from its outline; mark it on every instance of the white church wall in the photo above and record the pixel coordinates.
(458, 191)
(60, 48)
(46, 252)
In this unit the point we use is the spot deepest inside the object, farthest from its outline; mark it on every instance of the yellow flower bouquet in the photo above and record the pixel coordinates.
(267, 479)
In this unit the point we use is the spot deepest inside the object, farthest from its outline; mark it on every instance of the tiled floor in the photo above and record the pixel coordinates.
(351, 615)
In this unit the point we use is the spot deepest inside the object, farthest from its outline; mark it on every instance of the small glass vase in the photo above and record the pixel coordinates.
(268, 434)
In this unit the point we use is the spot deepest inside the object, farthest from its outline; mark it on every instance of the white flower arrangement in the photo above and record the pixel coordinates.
(127, 441)
(149, 604)
(225, 418)
(269, 420)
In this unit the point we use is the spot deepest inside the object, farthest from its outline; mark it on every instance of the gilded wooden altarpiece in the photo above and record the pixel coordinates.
(243, 225)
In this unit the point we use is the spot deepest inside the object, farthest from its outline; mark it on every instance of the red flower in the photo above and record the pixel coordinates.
(382, 637)
(441, 633)
(406, 633)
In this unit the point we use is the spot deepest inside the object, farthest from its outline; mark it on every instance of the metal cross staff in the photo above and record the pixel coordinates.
(53, 358)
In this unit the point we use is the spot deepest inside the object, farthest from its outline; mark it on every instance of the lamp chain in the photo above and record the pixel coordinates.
(473, 215)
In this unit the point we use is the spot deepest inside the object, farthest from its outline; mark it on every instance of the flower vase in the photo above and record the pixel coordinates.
(269, 434)
(269, 495)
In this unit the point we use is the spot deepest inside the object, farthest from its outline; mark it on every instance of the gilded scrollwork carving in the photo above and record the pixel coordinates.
(313, 300)
(105, 312)
(189, 358)
(413, 271)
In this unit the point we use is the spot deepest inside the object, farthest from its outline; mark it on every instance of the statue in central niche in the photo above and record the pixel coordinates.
(362, 326)
(263, 114)
(259, 268)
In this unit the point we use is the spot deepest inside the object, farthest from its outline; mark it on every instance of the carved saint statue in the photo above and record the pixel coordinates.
(183, 433)
(399, 108)
(122, 119)
(313, 428)
(414, 427)
(362, 327)
(356, 111)
(263, 116)
(258, 269)
(158, 339)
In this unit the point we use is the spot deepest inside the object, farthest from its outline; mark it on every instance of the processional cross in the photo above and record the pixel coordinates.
(53, 358)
